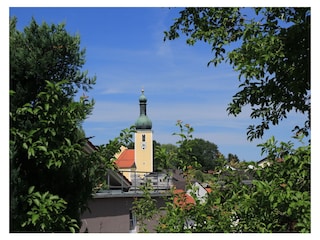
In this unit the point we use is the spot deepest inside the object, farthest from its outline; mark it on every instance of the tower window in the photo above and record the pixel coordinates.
(143, 137)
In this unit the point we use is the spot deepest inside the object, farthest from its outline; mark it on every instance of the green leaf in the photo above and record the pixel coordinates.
(11, 92)
(42, 148)
(25, 145)
(42, 226)
(30, 152)
(37, 202)
(37, 194)
(34, 218)
(53, 132)
(30, 190)
(68, 141)
(54, 197)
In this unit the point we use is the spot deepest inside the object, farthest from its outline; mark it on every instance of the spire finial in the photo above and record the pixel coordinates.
(142, 90)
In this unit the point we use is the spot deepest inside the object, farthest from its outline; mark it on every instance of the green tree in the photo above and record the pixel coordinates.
(271, 52)
(165, 157)
(47, 153)
(268, 47)
(233, 159)
(277, 200)
(43, 53)
(205, 152)
(46, 138)
(184, 159)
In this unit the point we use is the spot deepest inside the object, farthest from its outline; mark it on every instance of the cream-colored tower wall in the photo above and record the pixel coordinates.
(144, 150)
(127, 172)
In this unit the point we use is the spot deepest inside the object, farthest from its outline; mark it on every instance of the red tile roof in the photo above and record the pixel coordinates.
(126, 159)
(182, 199)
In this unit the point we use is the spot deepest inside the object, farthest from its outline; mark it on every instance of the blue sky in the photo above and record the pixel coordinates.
(126, 51)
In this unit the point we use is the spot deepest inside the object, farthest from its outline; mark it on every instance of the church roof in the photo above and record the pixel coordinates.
(126, 159)
(143, 122)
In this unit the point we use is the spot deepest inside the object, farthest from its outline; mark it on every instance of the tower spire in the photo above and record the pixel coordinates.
(143, 121)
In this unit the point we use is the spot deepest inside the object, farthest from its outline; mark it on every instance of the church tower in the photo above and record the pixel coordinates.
(143, 139)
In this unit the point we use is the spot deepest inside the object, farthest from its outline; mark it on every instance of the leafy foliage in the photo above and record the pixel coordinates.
(277, 199)
(205, 152)
(184, 159)
(103, 157)
(189, 151)
(271, 52)
(165, 157)
(145, 208)
(49, 123)
(46, 138)
(269, 47)
(46, 152)
(45, 53)
(126, 137)
(285, 186)
(46, 214)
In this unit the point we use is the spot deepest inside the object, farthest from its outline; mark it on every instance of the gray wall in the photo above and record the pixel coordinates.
(111, 215)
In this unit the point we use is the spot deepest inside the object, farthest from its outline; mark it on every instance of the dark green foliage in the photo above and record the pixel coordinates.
(204, 152)
(184, 159)
(269, 48)
(45, 53)
(126, 137)
(46, 139)
(233, 159)
(165, 157)
(47, 153)
(47, 213)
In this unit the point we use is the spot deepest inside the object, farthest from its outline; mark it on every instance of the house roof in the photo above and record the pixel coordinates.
(116, 180)
(182, 199)
(89, 147)
(126, 159)
(178, 180)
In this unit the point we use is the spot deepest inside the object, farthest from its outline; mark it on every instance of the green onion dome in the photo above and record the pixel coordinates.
(143, 122)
